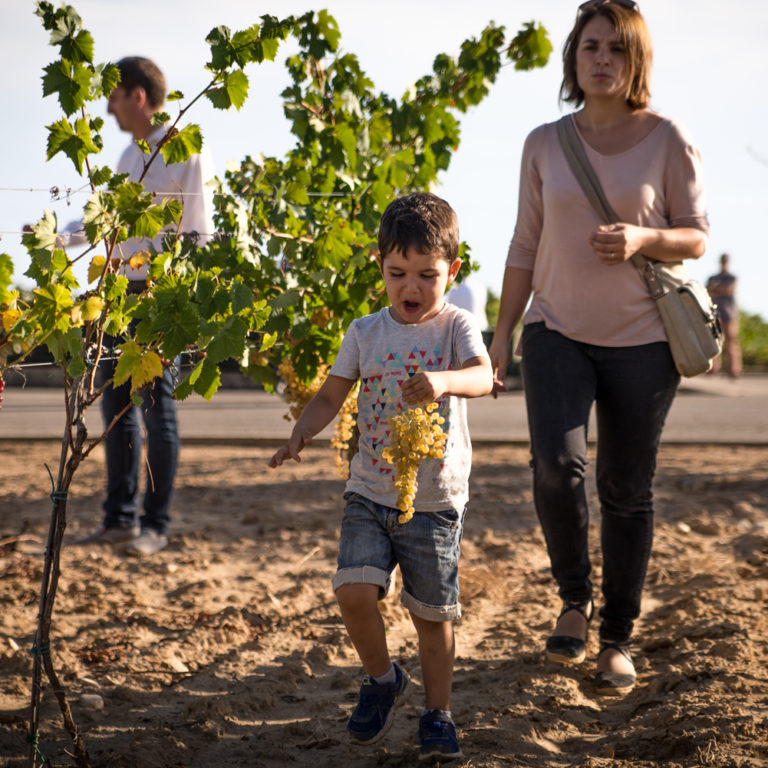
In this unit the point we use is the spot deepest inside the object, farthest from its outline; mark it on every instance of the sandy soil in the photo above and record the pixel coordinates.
(227, 648)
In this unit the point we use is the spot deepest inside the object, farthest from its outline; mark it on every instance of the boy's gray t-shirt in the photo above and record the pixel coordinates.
(382, 353)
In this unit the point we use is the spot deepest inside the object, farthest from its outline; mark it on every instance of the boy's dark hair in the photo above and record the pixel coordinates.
(138, 72)
(420, 220)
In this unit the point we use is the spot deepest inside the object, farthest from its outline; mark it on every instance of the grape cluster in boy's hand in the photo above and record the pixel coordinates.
(416, 435)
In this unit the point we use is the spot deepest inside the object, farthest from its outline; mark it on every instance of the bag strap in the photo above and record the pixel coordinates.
(582, 169)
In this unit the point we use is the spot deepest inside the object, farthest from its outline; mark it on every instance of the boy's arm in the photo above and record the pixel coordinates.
(319, 412)
(474, 379)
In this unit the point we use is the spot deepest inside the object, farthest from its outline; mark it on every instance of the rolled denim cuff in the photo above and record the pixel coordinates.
(363, 574)
(430, 612)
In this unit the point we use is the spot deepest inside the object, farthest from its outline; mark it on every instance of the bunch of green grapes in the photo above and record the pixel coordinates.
(416, 434)
(345, 432)
(297, 394)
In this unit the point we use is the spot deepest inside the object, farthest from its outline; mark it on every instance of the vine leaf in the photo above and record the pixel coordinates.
(76, 143)
(531, 47)
(9, 318)
(159, 118)
(97, 217)
(6, 276)
(139, 365)
(95, 268)
(87, 310)
(232, 93)
(187, 142)
(209, 379)
(203, 379)
(229, 342)
(52, 305)
(139, 259)
(242, 297)
(42, 240)
(75, 43)
(104, 79)
(148, 223)
(72, 83)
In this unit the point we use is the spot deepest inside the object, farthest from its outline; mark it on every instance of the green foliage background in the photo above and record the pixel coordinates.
(296, 262)
(753, 337)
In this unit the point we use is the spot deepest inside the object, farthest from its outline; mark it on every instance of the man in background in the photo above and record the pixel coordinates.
(138, 96)
(722, 289)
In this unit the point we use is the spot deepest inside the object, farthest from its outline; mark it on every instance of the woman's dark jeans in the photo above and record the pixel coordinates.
(123, 446)
(633, 389)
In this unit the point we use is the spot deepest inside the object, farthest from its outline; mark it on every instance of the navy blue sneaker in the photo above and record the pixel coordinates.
(437, 738)
(373, 715)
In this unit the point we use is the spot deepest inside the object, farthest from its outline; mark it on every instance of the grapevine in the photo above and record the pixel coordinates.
(416, 434)
(297, 394)
(357, 147)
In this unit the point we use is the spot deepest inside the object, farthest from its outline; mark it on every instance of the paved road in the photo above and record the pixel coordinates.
(707, 409)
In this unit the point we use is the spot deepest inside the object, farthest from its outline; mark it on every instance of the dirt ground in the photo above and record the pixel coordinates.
(227, 649)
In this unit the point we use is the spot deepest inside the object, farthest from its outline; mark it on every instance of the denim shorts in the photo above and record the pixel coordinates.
(426, 548)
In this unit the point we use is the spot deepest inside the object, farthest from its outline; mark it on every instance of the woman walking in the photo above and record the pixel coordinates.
(592, 333)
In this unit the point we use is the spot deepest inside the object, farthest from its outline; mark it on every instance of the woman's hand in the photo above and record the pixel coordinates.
(498, 351)
(615, 243)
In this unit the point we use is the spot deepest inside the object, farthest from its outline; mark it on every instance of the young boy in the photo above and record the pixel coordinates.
(418, 350)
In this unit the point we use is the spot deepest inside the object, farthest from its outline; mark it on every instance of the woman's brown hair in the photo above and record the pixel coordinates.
(634, 35)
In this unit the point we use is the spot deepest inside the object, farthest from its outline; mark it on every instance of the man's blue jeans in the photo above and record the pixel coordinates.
(632, 389)
(123, 447)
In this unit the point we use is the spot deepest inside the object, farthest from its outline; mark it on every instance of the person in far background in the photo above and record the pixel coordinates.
(138, 96)
(722, 289)
(471, 295)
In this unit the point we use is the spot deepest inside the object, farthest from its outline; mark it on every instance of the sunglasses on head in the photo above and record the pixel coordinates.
(592, 4)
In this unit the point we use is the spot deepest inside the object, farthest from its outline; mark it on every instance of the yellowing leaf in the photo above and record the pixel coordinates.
(92, 308)
(6, 276)
(76, 314)
(95, 268)
(151, 368)
(10, 316)
(139, 259)
(142, 367)
(268, 341)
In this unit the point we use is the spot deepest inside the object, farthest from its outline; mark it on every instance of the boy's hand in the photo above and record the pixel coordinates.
(291, 450)
(423, 387)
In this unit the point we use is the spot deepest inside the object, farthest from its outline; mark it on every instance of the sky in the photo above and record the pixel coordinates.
(710, 71)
